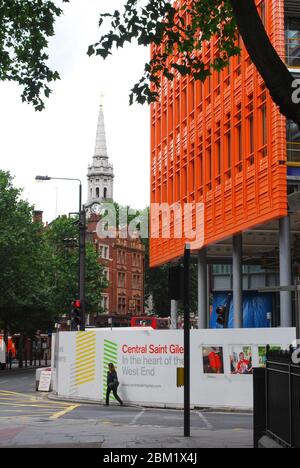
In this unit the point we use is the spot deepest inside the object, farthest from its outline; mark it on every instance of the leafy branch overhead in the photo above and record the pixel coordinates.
(177, 32)
(25, 26)
(173, 31)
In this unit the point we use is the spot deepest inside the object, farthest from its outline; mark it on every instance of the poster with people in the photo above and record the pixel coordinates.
(262, 354)
(241, 360)
(213, 360)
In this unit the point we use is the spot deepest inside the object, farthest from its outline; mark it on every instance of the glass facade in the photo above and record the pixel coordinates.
(292, 36)
(293, 142)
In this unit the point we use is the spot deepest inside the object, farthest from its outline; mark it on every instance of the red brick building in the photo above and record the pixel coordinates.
(123, 262)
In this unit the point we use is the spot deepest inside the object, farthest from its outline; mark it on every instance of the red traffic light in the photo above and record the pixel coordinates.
(77, 304)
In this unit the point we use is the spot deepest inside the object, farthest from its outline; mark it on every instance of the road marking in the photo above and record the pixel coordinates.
(62, 413)
(28, 405)
(6, 392)
(137, 417)
(206, 422)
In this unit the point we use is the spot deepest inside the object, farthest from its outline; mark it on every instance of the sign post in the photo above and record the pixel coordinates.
(186, 306)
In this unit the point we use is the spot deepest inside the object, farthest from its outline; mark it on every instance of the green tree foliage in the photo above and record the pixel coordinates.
(21, 260)
(178, 34)
(156, 285)
(27, 25)
(25, 28)
(61, 240)
(39, 266)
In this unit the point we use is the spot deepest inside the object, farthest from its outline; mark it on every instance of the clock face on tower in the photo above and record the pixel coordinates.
(96, 208)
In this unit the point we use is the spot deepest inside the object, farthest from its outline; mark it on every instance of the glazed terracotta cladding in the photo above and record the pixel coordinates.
(221, 143)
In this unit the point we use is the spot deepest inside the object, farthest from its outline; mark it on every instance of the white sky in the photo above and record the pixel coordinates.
(60, 141)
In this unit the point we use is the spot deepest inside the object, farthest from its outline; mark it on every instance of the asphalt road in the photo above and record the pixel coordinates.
(22, 410)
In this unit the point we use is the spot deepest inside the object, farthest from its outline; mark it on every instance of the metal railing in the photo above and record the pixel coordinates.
(283, 398)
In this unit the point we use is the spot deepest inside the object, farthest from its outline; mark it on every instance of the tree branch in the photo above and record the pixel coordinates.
(274, 72)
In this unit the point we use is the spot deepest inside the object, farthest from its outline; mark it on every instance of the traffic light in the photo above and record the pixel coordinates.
(76, 315)
(221, 316)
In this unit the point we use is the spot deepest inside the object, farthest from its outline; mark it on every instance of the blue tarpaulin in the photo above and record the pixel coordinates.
(256, 306)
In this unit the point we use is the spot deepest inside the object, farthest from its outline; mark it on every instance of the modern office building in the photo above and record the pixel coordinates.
(224, 144)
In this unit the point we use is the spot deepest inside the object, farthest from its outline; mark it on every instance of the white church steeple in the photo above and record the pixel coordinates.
(101, 172)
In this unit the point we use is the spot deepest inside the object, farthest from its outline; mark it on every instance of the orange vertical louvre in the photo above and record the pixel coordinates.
(221, 143)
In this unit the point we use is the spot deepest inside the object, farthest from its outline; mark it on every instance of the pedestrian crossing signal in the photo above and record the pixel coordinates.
(76, 315)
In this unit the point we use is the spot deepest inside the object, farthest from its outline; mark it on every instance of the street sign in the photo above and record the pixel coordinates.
(45, 381)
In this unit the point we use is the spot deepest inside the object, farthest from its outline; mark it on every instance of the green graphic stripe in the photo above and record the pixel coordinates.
(110, 355)
(110, 350)
(110, 344)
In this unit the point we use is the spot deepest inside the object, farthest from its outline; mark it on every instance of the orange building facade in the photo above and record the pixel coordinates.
(221, 143)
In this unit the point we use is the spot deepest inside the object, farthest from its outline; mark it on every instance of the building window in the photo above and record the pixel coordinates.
(121, 257)
(218, 154)
(239, 138)
(104, 252)
(121, 280)
(105, 193)
(228, 144)
(263, 125)
(136, 282)
(106, 274)
(122, 305)
(136, 260)
(97, 192)
(105, 303)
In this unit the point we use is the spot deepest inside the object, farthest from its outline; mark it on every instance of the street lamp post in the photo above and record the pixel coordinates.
(82, 245)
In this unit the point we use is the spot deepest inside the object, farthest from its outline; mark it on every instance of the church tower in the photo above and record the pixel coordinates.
(101, 172)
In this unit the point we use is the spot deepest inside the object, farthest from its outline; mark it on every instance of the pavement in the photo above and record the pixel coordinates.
(30, 419)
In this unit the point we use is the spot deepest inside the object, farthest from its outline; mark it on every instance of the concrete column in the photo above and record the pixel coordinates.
(285, 271)
(237, 273)
(174, 314)
(202, 290)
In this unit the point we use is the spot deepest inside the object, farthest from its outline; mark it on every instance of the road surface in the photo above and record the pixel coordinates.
(28, 418)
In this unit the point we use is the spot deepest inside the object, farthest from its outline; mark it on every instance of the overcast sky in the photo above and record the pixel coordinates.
(60, 141)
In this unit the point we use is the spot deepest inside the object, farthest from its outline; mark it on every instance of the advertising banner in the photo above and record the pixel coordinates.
(147, 361)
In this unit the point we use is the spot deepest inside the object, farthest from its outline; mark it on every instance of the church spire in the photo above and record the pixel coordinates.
(101, 171)
(100, 147)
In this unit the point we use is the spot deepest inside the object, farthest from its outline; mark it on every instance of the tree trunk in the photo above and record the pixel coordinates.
(274, 72)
